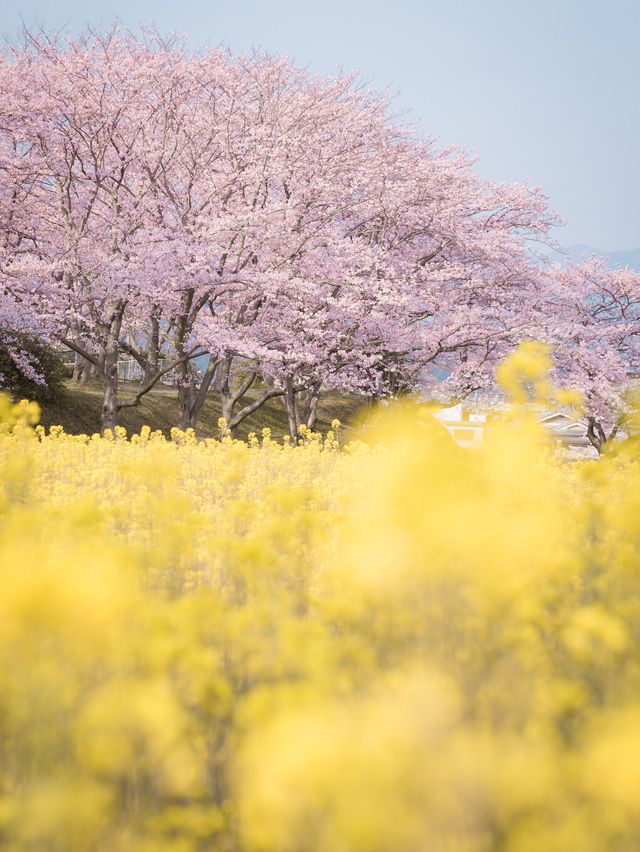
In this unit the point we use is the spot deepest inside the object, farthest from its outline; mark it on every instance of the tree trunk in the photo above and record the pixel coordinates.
(230, 398)
(291, 405)
(83, 370)
(191, 396)
(110, 396)
(109, 418)
(88, 371)
(186, 397)
(186, 377)
(109, 368)
(310, 410)
(153, 348)
(596, 435)
(227, 402)
(77, 369)
(202, 392)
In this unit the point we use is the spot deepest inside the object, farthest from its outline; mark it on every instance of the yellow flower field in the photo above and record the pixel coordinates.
(397, 646)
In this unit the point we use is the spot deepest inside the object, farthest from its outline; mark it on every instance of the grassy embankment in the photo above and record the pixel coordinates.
(77, 410)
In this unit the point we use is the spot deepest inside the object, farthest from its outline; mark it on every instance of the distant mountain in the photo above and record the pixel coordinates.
(615, 258)
(576, 253)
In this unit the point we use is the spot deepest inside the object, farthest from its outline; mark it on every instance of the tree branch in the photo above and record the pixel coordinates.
(80, 350)
(254, 406)
(134, 400)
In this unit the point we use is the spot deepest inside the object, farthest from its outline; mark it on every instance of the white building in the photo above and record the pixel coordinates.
(467, 426)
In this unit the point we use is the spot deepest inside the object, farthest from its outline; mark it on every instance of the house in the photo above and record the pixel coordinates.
(467, 426)
(565, 429)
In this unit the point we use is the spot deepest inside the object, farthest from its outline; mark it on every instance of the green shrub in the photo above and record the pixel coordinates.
(18, 352)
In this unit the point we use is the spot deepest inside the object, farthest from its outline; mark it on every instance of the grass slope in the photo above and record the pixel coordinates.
(77, 410)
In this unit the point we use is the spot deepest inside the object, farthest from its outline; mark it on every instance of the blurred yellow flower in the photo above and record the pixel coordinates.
(274, 646)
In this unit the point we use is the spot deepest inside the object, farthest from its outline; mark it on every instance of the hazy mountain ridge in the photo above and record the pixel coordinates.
(577, 253)
(615, 258)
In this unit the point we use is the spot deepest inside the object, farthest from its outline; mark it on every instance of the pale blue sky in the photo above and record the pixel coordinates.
(546, 90)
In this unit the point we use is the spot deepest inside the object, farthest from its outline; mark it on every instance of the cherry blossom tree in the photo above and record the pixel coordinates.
(73, 115)
(592, 320)
(171, 205)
